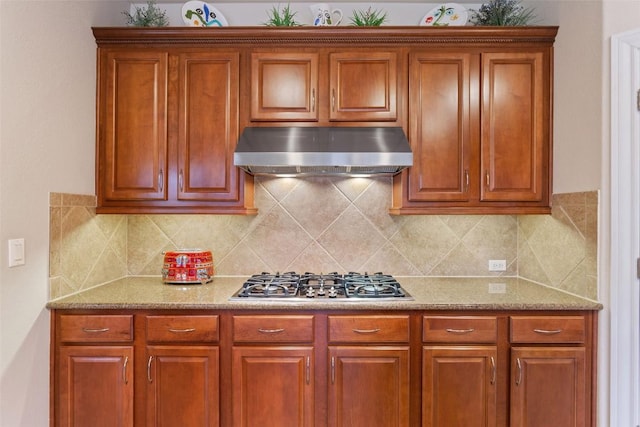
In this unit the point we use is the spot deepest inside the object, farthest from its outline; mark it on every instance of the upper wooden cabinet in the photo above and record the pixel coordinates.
(167, 127)
(475, 103)
(293, 86)
(480, 128)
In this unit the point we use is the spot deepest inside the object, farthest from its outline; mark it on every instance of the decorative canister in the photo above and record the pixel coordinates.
(187, 266)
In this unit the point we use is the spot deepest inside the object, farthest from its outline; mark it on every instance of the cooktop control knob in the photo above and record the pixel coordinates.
(310, 293)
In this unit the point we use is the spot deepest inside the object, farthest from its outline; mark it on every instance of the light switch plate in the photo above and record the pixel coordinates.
(16, 252)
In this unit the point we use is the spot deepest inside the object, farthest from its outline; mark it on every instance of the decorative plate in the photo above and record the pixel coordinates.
(445, 14)
(199, 14)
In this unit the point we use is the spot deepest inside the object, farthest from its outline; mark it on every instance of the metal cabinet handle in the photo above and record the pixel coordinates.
(181, 180)
(313, 100)
(124, 370)
(308, 370)
(160, 180)
(149, 369)
(333, 370)
(366, 331)
(94, 331)
(466, 180)
(182, 331)
(547, 331)
(270, 331)
(519, 373)
(460, 331)
(493, 370)
(487, 177)
(333, 100)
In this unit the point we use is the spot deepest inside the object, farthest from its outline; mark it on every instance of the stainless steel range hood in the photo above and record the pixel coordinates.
(323, 150)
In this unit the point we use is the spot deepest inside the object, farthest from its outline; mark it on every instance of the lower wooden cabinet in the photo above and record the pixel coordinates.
(95, 386)
(341, 368)
(272, 386)
(459, 386)
(548, 387)
(369, 386)
(182, 386)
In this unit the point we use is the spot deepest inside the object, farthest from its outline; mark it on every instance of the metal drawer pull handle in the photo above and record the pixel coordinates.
(270, 331)
(160, 180)
(547, 331)
(366, 331)
(313, 100)
(493, 370)
(460, 331)
(519, 375)
(124, 370)
(181, 331)
(95, 331)
(180, 180)
(308, 370)
(333, 370)
(149, 369)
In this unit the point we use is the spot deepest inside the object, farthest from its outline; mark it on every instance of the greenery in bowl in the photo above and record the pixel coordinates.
(368, 18)
(150, 16)
(284, 18)
(506, 13)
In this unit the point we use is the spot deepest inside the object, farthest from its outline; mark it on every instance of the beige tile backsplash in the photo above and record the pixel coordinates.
(327, 224)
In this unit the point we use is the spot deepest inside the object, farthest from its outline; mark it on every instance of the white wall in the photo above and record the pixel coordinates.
(47, 139)
(47, 96)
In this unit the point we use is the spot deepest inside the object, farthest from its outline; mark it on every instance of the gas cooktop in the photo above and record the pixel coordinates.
(293, 286)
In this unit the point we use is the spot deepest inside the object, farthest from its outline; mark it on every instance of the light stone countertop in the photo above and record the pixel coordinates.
(429, 293)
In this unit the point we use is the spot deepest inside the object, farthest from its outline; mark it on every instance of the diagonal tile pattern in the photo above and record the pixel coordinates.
(327, 224)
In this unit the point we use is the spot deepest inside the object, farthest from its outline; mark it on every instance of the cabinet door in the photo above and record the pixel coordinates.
(182, 386)
(441, 132)
(95, 386)
(548, 387)
(284, 86)
(459, 386)
(369, 386)
(208, 126)
(363, 86)
(132, 136)
(272, 386)
(515, 126)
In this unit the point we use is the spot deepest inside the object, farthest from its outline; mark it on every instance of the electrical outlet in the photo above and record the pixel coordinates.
(497, 265)
(497, 288)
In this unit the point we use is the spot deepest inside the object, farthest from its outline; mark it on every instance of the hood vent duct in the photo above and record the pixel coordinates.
(323, 150)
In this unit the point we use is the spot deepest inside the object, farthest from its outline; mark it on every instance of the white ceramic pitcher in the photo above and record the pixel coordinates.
(323, 15)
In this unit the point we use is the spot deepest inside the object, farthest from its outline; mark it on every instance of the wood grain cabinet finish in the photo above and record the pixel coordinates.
(369, 372)
(273, 381)
(480, 128)
(93, 370)
(549, 373)
(386, 368)
(167, 127)
(459, 371)
(475, 103)
(293, 86)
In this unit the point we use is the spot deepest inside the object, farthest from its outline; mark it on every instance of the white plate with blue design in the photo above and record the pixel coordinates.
(200, 14)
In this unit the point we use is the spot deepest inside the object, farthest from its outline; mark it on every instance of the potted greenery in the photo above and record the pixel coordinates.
(284, 18)
(368, 18)
(150, 16)
(502, 13)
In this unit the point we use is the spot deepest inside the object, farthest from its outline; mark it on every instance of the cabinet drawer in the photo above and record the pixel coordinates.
(182, 328)
(96, 328)
(273, 328)
(369, 328)
(459, 329)
(547, 329)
